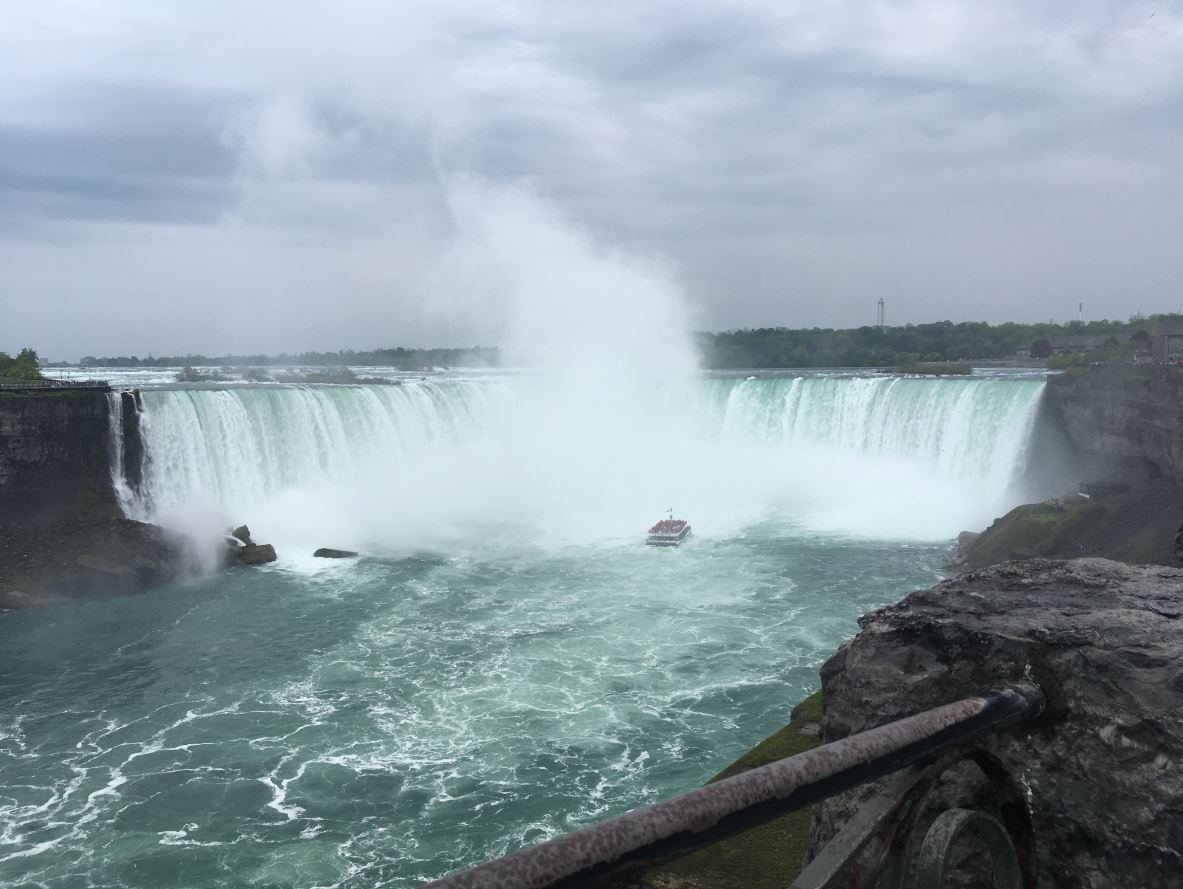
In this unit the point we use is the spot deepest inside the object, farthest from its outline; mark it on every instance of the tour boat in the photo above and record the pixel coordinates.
(668, 532)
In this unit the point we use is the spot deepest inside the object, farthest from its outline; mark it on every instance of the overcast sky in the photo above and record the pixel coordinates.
(269, 176)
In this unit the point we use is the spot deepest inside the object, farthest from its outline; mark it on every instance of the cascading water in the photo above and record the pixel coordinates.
(925, 458)
(234, 448)
(116, 453)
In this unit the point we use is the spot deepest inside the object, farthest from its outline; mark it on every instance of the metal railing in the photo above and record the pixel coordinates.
(55, 384)
(877, 845)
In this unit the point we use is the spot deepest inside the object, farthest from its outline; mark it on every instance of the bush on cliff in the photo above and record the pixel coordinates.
(20, 369)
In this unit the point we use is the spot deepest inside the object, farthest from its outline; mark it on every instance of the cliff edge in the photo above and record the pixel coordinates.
(1125, 427)
(62, 533)
(1100, 768)
(1127, 419)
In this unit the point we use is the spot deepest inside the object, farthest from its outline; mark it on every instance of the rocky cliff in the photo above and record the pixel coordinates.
(1128, 419)
(62, 533)
(1125, 425)
(1100, 768)
(54, 455)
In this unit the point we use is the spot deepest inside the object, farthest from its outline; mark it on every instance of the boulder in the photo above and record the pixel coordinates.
(965, 540)
(256, 554)
(243, 533)
(1101, 766)
(326, 553)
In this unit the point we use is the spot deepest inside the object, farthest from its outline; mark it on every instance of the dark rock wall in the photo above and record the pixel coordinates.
(1126, 418)
(62, 534)
(54, 456)
(1102, 765)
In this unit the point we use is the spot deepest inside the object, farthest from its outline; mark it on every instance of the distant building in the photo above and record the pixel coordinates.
(1084, 343)
(1166, 341)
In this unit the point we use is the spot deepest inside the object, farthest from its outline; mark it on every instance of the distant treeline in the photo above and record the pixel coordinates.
(891, 346)
(766, 347)
(403, 359)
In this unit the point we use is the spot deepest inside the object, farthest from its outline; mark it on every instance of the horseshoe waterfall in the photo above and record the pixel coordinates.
(505, 660)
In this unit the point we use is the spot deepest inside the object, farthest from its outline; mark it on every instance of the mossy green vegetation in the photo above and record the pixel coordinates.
(1034, 530)
(766, 857)
(1134, 524)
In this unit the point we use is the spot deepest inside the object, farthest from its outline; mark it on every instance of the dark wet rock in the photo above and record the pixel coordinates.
(1129, 420)
(243, 533)
(55, 457)
(326, 553)
(1104, 640)
(965, 541)
(62, 534)
(80, 557)
(256, 554)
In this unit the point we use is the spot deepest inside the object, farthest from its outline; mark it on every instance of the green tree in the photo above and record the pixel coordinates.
(1041, 348)
(21, 368)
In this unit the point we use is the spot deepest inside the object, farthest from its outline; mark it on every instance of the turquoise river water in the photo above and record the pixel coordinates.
(505, 661)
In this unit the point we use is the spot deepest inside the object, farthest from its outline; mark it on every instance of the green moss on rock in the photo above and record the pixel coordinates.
(1035, 530)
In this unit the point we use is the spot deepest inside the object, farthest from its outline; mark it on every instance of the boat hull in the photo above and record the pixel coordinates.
(668, 539)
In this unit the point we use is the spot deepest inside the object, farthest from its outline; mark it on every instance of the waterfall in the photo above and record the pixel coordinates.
(115, 455)
(432, 461)
(126, 452)
(958, 428)
(237, 447)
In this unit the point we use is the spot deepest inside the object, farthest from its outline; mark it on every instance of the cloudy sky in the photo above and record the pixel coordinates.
(268, 176)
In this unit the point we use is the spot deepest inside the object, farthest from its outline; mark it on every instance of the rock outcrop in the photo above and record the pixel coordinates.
(1136, 523)
(255, 554)
(1103, 639)
(84, 556)
(326, 552)
(62, 533)
(1127, 419)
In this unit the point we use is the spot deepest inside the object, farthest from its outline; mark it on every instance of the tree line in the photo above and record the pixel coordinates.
(889, 346)
(403, 359)
(768, 347)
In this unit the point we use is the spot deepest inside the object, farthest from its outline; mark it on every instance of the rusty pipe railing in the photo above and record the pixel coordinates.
(709, 814)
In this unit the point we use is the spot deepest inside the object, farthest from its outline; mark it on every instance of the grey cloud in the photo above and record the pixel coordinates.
(129, 154)
(794, 163)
